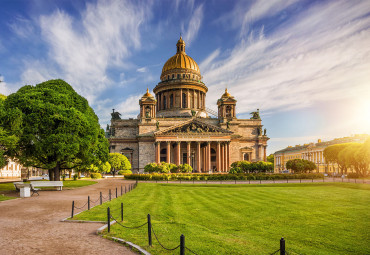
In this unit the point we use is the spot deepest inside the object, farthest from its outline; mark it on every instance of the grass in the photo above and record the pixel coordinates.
(314, 218)
(3, 197)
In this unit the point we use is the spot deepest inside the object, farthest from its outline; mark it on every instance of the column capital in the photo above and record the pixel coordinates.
(178, 142)
(157, 142)
(208, 142)
(188, 142)
(168, 142)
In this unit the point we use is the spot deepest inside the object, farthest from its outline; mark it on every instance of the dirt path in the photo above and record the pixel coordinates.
(32, 225)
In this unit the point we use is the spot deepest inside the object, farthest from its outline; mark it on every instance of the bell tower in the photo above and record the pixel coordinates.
(226, 106)
(147, 107)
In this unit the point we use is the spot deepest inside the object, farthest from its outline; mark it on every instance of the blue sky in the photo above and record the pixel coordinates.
(304, 64)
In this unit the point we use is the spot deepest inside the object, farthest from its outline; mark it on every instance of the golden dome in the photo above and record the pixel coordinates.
(180, 60)
(147, 94)
(226, 94)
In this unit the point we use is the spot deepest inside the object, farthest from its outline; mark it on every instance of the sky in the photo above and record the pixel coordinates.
(305, 64)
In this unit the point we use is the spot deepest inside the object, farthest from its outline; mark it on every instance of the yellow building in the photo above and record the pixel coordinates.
(313, 152)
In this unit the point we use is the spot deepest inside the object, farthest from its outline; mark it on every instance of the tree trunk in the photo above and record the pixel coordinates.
(51, 174)
(57, 173)
(70, 174)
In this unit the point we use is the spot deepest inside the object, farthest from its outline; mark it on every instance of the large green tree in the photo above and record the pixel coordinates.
(118, 162)
(59, 130)
(331, 154)
(8, 140)
(300, 165)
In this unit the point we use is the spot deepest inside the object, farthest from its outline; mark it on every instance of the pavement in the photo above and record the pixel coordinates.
(33, 225)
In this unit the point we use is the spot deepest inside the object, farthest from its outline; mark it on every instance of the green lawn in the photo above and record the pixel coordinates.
(317, 218)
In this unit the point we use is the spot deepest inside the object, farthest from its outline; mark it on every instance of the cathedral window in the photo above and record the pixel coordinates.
(171, 101)
(246, 157)
(183, 76)
(228, 111)
(178, 76)
(173, 76)
(164, 102)
(184, 103)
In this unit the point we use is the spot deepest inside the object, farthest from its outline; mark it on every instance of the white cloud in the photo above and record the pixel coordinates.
(141, 70)
(82, 50)
(22, 27)
(130, 107)
(320, 55)
(194, 24)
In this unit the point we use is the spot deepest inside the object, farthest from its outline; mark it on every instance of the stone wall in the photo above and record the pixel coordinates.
(146, 154)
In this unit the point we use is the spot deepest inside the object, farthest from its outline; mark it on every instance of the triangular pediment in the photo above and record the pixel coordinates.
(194, 127)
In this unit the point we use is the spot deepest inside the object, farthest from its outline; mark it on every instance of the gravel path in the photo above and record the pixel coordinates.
(32, 225)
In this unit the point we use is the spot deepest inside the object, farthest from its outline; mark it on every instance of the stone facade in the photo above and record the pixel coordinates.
(176, 127)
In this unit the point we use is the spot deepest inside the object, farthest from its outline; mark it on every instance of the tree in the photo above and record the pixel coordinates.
(118, 162)
(331, 155)
(7, 141)
(270, 158)
(58, 129)
(300, 165)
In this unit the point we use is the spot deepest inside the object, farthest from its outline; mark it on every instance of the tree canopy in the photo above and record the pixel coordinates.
(118, 162)
(300, 165)
(271, 158)
(56, 128)
(7, 141)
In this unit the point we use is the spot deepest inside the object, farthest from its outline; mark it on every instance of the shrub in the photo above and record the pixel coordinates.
(75, 176)
(353, 175)
(124, 172)
(185, 168)
(63, 177)
(95, 176)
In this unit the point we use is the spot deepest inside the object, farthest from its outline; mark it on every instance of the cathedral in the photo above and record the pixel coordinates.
(175, 126)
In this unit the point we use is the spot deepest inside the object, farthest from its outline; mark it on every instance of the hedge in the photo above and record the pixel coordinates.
(219, 177)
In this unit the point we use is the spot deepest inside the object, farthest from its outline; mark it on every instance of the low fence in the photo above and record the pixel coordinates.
(182, 247)
(102, 199)
(326, 179)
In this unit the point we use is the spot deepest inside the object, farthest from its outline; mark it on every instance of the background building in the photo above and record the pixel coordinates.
(313, 152)
(175, 125)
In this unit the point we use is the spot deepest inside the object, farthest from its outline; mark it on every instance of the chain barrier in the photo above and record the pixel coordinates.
(275, 252)
(190, 250)
(92, 201)
(79, 208)
(126, 226)
(161, 244)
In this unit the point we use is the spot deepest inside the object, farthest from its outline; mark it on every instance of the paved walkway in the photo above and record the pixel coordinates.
(32, 225)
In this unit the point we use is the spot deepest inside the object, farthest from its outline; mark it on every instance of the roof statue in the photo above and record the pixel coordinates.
(115, 115)
(256, 115)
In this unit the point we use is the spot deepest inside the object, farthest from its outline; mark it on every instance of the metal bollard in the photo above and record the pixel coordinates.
(73, 207)
(121, 211)
(101, 198)
(116, 193)
(182, 245)
(110, 195)
(282, 246)
(121, 190)
(125, 189)
(149, 230)
(108, 216)
(88, 202)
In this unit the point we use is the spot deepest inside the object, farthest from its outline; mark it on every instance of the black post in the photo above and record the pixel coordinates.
(73, 207)
(182, 245)
(108, 215)
(116, 193)
(88, 202)
(121, 190)
(101, 198)
(110, 195)
(121, 211)
(282, 246)
(300, 180)
(149, 230)
(125, 189)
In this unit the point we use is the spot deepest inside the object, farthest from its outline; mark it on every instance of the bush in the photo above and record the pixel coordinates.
(124, 172)
(185, 168)
(75, 176)
(353, 175)
(63, 177)
(95, 176)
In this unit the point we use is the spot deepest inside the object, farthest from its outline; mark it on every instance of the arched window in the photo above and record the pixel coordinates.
(164, 102)
(168, 77)
(182, 48)
(228, 111)
(178, 76)
(171, 101)
(184, 103)
(178, 49)
(147, 112)
(183, 76)
(173, 76)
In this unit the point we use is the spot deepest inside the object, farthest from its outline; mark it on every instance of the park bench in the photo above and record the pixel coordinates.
(56, 184)
(25, 188)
